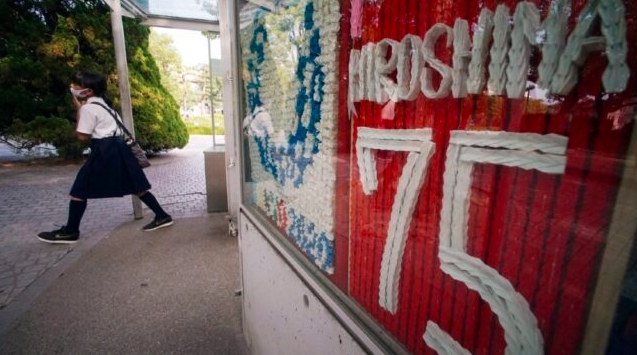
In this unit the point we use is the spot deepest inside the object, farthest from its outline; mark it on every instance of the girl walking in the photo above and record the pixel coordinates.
(111, 170)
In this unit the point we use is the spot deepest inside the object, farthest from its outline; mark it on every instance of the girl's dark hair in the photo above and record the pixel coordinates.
(93, 81)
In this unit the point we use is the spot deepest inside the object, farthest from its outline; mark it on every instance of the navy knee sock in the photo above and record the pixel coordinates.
(150, 201)
(76, 211)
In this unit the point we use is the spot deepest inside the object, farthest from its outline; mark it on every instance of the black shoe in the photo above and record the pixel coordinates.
(59, 236)
(158, 223)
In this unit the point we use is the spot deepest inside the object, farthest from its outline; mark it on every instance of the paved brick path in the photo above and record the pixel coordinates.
(34, 198)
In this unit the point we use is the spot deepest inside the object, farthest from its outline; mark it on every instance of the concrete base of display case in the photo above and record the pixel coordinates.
(285, 308)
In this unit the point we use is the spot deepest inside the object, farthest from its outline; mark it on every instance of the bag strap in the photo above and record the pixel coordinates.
(119, 123)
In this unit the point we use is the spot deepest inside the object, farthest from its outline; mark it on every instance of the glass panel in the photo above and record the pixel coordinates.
(289, 66)
(464, 170)
(182, 9)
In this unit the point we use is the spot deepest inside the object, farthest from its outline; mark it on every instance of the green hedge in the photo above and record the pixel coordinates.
(203, 125)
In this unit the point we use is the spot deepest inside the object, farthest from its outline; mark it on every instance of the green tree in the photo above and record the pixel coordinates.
(198, 87)
(169, 61)
(43, 43)
(214, 87)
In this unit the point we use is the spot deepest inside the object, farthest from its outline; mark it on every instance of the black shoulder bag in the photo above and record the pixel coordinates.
(132, 144)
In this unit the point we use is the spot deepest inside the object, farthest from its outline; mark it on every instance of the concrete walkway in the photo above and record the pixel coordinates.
(119, 290)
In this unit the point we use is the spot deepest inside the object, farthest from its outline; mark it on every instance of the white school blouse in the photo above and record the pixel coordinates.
(95, 120)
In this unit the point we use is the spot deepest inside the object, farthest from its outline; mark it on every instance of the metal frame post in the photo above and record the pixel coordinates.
(231, 93)
(124, 87)
(211, 98)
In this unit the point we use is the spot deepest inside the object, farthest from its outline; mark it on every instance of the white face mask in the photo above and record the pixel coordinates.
(78, 93)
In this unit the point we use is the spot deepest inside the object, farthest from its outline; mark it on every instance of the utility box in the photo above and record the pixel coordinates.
(216, 190)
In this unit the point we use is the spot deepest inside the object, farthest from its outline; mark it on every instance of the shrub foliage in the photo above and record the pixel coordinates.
(43, 43)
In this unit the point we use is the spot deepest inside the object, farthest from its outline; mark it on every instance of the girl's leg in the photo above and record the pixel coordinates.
(76, 211)
(71, 232)
(149, 200)
(162, 219)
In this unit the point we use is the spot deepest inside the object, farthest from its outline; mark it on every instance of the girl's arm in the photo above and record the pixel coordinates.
(78, 104)
(82, 136)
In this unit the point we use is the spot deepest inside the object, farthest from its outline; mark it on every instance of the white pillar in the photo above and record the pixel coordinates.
(124, 88)
(231, 96)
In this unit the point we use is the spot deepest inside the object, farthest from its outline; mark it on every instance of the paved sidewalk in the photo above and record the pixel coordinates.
(34, 198)
(170, 291)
